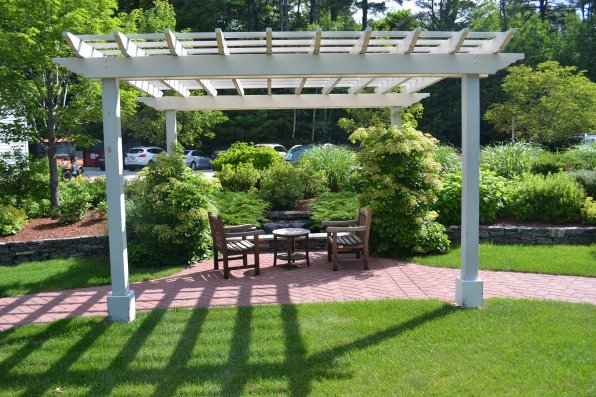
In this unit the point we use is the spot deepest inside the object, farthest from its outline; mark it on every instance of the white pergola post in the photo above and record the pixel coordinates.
(396, 120)
(468, 287)
(171, 136)
(121, 302)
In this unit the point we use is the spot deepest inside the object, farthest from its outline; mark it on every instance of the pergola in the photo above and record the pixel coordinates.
(256, 70)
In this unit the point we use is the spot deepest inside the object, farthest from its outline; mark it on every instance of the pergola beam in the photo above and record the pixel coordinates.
(314, 101)
(361, 44)
(330, 86)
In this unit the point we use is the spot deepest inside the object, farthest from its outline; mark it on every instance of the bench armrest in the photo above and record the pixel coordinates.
(333, 230)
(338, 223)
(255, 233)
(238, 228)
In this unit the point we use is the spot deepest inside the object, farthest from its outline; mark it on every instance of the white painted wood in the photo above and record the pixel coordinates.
(221, 42)
(171, 133)
(390, 84)
(175, 46)
(239, 87)
(289, 65)
(207, 85)
(408, 43)
(128, 47)
(121, 301)
(269, 87)
(420, 83)
(314, 101)
(269, 41)
(80, 48)
(331, 84)
(357, 87)
(300, 86)
(316, 45)
(361, 44)
(177, 86)
(467, 287)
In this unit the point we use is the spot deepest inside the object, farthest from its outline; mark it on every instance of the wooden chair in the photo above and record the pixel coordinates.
(231, 240)
(356, 239)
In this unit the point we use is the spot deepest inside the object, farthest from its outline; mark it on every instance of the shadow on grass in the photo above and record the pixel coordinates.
(298, 368)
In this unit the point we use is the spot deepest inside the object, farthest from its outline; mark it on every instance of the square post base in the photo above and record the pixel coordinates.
(468, 293)
(121, 309)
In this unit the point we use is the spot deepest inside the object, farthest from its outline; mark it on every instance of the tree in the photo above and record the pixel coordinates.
(548, 104)
(50, 103)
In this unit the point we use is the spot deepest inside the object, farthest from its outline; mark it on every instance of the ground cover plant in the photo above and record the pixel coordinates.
(237, 208)
(510, 158)
(576, 260)
(260, 158)
(329, 206)
(371, 348)
(60, 274)
(337, 162)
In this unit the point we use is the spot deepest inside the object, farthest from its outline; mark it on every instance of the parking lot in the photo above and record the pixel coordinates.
(95, 171)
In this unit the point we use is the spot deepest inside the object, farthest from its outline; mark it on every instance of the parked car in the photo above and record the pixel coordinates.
(217, 151)
(140, 156)
(101, 157)
(196, 159)
(276, 146)
(297, 151)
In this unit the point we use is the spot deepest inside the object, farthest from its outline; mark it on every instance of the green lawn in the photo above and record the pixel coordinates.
(577, 260)
(59, 274)
(371, 348)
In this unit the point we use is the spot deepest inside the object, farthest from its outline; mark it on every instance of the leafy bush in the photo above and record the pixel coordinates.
(337, 162)
(509, 159)
(551, 198)
(587, 179)
(313, 181)
(240, 178)
(240, 208)
(582, 156)
(340, 206)
(75, 201)
(548, 162)
(12, 220)
(401, 178)
(494, 196)
(589, 211)
(448, 157)
(167, 214)
(245, 153)
(282, 186)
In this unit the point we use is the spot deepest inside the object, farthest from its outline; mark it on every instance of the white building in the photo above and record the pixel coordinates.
(7, 146)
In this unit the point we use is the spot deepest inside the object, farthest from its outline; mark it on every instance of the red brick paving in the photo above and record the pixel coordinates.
(201, 286)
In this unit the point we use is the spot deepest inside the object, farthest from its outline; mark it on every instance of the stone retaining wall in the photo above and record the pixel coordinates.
(13, 253)
(529, 235)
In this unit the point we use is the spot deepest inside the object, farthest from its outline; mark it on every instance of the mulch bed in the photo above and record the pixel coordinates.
(48, 228)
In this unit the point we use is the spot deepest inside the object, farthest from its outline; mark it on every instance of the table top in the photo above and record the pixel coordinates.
(291, 232)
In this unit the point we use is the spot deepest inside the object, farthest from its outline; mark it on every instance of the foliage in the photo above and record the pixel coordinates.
(588, 214)
(282, 186)
(312, 181)
(547, 104)
(239, 178)
(509, 159)
(340, 206)
(587, 179)
(12, 219)
(75, 200)
(337, 162)
(167, 214)
(236, 208)
(364, 118)
(448, 157)
(494, 197)
(260, 158)
(547, 162)
(400, 179)
(551, 198)
(582, 156)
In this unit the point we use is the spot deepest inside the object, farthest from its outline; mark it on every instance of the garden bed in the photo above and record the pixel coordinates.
(48, 228)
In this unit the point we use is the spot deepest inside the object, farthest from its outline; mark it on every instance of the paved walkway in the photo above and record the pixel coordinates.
(201, 286)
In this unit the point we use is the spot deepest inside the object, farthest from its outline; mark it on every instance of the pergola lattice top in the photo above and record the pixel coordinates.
(206, 45)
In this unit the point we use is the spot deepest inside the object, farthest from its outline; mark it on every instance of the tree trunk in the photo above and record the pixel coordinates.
(314, 115)
(294, 127)
(364, 14)
(313, 11)
(54, 193)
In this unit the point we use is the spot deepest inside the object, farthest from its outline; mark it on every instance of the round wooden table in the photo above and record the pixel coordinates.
(291, 235)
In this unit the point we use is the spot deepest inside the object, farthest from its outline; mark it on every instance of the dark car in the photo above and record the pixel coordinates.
(101, 157)
(217, 151)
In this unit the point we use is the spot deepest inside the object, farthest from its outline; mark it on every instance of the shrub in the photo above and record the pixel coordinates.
(548, 162)
(240, 178)
(587, 179)
(12, 220)
(313, 181)
(341, 206)
(245, 153)
(337, 162)
(582, 156)
(167, 214)
(282, 186)
(494, 196)
(75, 201)
(400, 179)
(509, 159)
(448, 157)
(240, 208)
(589, 211)
(551, 198)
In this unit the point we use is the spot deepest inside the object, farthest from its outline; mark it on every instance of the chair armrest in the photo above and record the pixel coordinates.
(338, 223)
(238, 228)
(332, 230)
(255, 232)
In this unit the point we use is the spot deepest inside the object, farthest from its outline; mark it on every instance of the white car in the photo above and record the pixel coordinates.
(276, 146)
(140, 156)
(196, 159)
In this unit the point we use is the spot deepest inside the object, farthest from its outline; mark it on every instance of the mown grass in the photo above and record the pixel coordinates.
(371, 348)
(577, 260)
(60, 274)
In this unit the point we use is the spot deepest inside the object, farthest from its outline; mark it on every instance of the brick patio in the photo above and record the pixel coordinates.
(201, 286)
